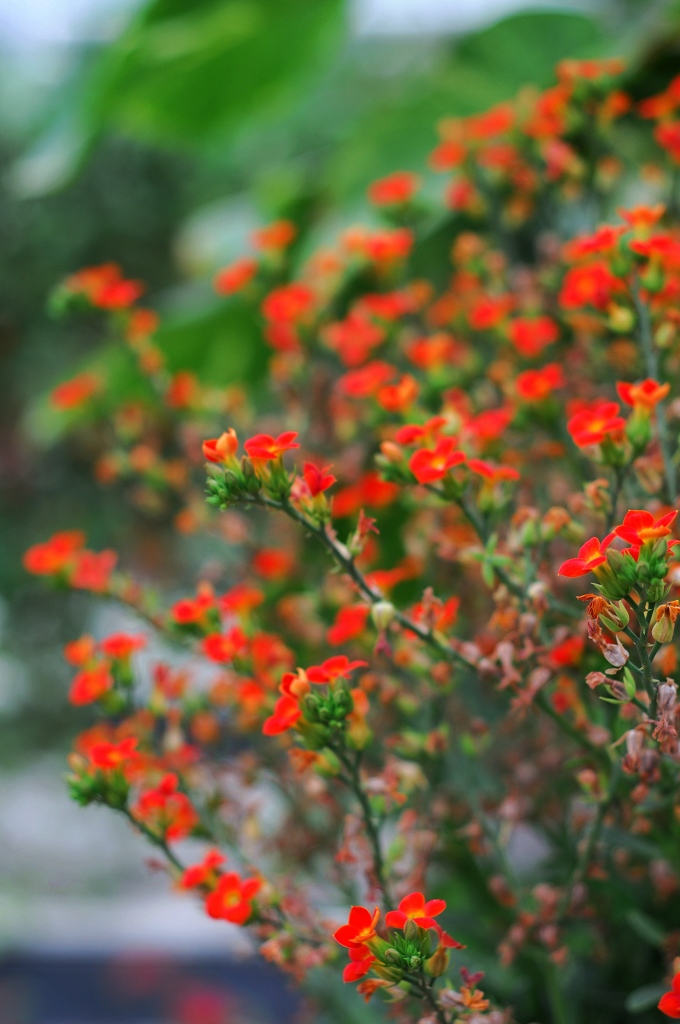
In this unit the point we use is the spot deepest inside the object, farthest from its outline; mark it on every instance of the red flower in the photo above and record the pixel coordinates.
(350, 622)
(670, 1001)
(165, 810)
(224, 647)
(367, 381)
(236, 276)
(418, 432)
(120, 646)
(644, 396)
(274, 237)
(92, 570)
(361, 959)
(204, 873)
(531, 335)
(288, 304)
(359, 929)
(55, 554)
(75, 392)
(338, 667)
(535, 385)
(639, 526)
(429, 464)
(590, 555)
(414, 908)
(273, 563)
(395, 189)
(113, 756)
(91, 684)
(317, 480)
(286, 713)
(267, 448)
(231, 900)
(592, 285)
(592, 424)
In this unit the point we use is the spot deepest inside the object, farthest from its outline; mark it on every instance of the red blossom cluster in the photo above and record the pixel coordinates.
(440, 455)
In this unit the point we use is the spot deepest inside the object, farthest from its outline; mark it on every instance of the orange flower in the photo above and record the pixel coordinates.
(644, 396)
(222, 448)
(55, 554)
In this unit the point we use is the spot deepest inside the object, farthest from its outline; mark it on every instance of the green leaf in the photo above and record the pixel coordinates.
(646, 928)
(191, 71)
(644, 998)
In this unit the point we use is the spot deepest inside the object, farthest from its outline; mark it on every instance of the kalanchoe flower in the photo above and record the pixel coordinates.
(232, 898)
(639, 527)
(395, 189)
(430, 464)
(669, 1004)
(415, 908)
(265, 448)
(317, 480)
(223, 448)
(591, 425)
(644, 396)
(360, 928)
(590, 556)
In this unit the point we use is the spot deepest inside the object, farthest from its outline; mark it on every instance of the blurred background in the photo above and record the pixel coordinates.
(158, 135)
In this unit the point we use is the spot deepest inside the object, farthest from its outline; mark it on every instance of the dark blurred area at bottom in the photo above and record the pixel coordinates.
(143, 989)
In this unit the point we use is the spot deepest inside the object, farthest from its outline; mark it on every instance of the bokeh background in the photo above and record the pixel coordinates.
(158, 135)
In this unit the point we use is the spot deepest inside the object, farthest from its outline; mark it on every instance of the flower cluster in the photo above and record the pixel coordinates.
(382, 679)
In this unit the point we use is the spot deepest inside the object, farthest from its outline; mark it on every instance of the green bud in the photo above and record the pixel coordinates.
(411, 930)
(382, 614)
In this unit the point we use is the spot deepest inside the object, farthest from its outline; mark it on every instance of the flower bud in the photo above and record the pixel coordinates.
(438, 963)
(615, 616)
(411, 930)
(666, 695)
(382, 614)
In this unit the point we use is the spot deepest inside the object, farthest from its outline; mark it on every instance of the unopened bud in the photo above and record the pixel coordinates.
(382, 614)
(438, 963)
(392, 452)
(411, 930)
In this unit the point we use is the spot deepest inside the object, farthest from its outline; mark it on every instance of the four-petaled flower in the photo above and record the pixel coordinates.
(360, 928)
(430, 464)
(643, 396)
(414, 908)
(267, 448)
(232, 898)
(590, 555)
(639, 526)
(591, 425)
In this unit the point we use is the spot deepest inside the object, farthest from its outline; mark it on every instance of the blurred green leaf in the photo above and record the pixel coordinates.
(191, 71)
(644, 998)
(646, 928)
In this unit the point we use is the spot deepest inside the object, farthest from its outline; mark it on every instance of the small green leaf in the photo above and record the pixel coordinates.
(644, 998)
(646, 928)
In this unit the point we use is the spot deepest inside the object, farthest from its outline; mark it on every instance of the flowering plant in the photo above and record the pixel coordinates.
(469, 407)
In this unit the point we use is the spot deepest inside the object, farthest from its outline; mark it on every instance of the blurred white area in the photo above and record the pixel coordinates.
(406, 17)
(26, 24)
